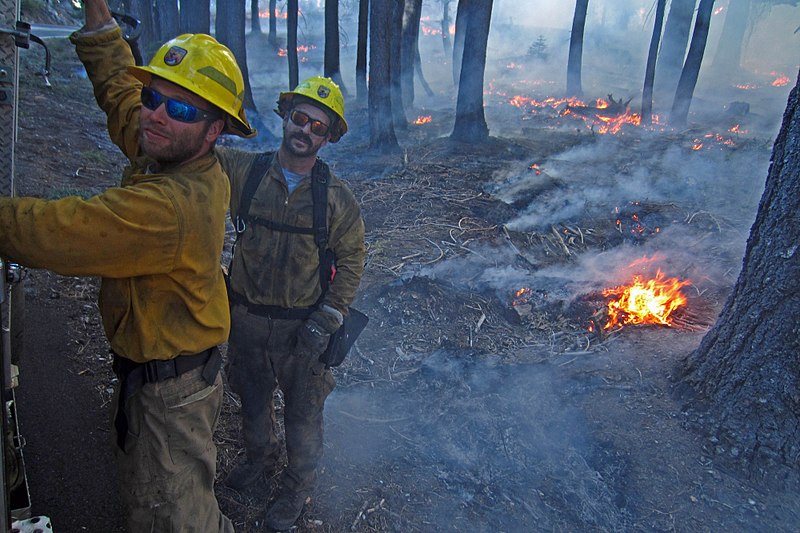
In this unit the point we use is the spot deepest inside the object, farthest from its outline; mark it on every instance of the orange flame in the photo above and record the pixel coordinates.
(423, 119)
(645, 302)
(781, 81)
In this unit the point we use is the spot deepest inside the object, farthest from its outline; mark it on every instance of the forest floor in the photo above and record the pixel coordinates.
(477, 399)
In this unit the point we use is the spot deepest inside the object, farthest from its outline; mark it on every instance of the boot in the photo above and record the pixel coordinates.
(247, 472)
(285, 510)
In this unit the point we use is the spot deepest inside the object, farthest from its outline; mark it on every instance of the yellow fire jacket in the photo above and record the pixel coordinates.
(156, 240)
(281, 268)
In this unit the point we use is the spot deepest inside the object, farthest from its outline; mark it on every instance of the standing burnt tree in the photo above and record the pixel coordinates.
(408, 47)
(470, 125)
(361, 50)
(195, 16)
(728, 56)
(458, 39)
(650, 69)
(229, 26)
(574, 86)
(673, 45)
(382, 136)
(291, 43)
(255, 17)
(273, 23)
(746, 370)
(691, 67)
(332, 68)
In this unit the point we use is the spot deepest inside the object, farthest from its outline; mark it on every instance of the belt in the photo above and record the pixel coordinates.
(271, 311)
(133, 376)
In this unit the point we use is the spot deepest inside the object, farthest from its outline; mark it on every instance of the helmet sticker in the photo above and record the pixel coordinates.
(323, 91)
(174, 56)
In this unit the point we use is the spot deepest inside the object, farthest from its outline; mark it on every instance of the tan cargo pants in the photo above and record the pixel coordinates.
(168, 466)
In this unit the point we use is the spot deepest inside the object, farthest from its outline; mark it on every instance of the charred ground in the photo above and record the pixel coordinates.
(458, 410)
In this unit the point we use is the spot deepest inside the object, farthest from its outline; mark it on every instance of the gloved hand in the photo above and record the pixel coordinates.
(314, 335)
(311, 338)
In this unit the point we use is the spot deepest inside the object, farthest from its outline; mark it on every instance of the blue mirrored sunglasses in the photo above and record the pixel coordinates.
(176, 110)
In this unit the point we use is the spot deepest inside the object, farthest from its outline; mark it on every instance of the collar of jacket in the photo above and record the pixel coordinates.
(143, 167)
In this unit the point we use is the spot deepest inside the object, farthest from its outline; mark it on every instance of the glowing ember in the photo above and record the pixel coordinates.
(781, 81)
(522, 296)
(645, 302)
(423, 119)
(535, 168)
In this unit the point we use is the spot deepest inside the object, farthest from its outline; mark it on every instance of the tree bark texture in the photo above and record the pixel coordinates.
(395, 68)
(470, 124)
(458, 39)
(408, 47)
(332, 67)
(255, 19)
(361, 50)
(673, 45)
(381, 126)
(291, 43)
(148, 40)
(574, 84)
(746, 370)
(273, 22)
(650, 69)
(195, 16)
(230, 27)
(691, 68)
(728, 57)
(168, 19)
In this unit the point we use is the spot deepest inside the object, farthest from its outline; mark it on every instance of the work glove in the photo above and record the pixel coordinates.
(315, 333)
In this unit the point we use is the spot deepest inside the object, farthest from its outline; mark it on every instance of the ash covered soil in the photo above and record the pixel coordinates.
(477, 399)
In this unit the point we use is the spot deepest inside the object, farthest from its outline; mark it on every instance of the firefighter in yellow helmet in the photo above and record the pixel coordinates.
(155, 240)
(284, 306)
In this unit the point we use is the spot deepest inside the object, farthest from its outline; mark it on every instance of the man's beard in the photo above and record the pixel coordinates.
(173, 152)
(310, 150)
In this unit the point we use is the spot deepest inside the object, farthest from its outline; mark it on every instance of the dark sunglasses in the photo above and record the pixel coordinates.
(301, 119)
(176, 110)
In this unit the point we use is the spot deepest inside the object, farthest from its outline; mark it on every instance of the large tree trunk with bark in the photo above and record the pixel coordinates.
(195, 16)
(408, 47)
(673, 46)
(470, 124)
(255, 18)
(168, 19)
(361, 50)
(395, 68)
(381, 126)
(291, 43)
(691, 68)
(746, 371)
(149, 39)
(273, 23)
(332, 68)
(650, 69)
(728, 57)
(458, 39)
(230, 25)
(574, 84)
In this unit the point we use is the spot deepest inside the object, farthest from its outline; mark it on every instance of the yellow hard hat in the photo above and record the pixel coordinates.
(323, 91)
(200, 64)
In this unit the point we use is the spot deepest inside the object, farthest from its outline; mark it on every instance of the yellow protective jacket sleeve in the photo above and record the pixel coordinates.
(280, 268)
(156, 240)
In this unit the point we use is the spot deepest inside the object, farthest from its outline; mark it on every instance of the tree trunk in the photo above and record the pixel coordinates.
(673, 46)
(746, 370)
(148, 40)
(470, 124)
(728, 57)
(395, 68)
(168, 19)
(230, 25)
(291, 43)
(361, 50)
(408, 47)
(381, 128)
(255, 19)
(462, 13)
(195, 16)
(446, 43)
(332, 67)
(691, 68)
(574, 85)
(273, 23)
(650, 69)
